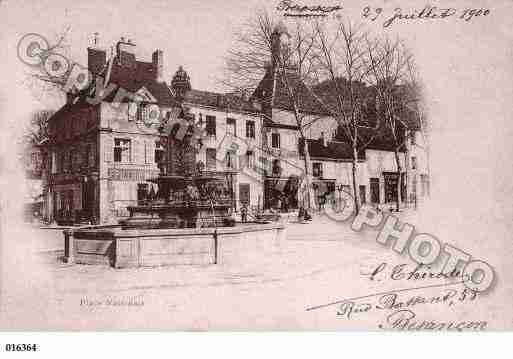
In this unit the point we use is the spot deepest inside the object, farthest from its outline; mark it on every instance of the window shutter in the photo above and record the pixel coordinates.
(137, 152)
(108, 149)
(150, 155)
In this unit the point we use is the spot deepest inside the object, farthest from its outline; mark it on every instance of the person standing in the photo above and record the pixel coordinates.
(244, 212)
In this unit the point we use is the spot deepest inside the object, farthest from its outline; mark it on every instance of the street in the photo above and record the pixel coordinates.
(320, 262)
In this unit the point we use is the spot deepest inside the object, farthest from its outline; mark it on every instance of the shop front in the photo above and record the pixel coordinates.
(281, 193)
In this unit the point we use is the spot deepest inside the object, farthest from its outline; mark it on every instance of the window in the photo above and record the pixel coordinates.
(231, 126)
(87, 155)
(122, 150)
(211, 154)
(275, 140)
(210, 126)
(159, 152)
(250, 159)
(71, 160)
(65, 161)
(374, 190)
(424, 180)
(264, 165)
(54, 162)
(230, 159)
(250, 129)
(363, 195)
(317, 169)
(93, 157)
(142, 193)
(61, 163)
(413, 163)
(412, 139)
(276, 170)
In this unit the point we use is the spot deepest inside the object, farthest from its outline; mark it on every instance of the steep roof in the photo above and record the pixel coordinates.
(219, 100)
(275, 91)
(333, 150)
(272, 92)
(136, 75)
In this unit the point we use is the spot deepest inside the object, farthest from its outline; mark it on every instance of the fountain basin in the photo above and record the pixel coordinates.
(124, 248)
(190, 215)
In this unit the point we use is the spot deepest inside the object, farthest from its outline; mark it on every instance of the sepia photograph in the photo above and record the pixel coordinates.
(256, 165)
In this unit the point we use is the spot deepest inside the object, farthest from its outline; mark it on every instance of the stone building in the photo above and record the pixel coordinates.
(329, 148)
(104, 143)
(232, 140)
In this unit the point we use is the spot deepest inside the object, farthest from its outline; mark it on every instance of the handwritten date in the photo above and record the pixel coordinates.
(427, 13)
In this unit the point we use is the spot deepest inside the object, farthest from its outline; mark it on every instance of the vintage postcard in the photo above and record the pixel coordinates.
(256, 165)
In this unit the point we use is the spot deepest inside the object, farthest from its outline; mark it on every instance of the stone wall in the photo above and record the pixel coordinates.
(149, 248)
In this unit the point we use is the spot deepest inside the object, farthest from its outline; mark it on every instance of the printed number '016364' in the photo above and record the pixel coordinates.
(20, 347)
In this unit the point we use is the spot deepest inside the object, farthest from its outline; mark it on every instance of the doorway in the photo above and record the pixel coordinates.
(244, 193)
(374, 190)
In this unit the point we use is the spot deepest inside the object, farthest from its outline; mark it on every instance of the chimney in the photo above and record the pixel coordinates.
(125, 52)
(96, 40)
(96, 56)
(96, 60)
(158, 64)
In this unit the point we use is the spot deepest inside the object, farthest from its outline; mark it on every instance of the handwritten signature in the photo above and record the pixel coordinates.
(292, 9)
(419, 272)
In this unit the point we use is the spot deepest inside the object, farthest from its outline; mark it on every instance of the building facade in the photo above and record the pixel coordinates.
(329, 148)
(106, 142)
(103, 147)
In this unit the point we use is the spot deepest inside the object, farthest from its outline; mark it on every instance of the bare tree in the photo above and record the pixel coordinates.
(37, 130)
(388, 63)
(414, 102)
(265, 48)
(340, 53)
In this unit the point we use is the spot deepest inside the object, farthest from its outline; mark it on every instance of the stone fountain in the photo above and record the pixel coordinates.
(188, 221)
(186, 197)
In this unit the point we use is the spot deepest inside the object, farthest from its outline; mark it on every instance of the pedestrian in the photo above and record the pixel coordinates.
(301, 214)
(307, 217)
(244, 212)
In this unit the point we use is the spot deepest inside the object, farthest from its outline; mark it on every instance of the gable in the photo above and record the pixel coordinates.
(146, 95)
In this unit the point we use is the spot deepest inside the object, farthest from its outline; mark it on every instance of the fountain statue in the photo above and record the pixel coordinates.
(187, 196)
